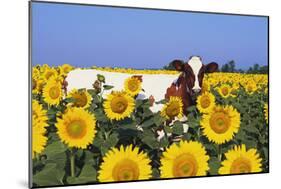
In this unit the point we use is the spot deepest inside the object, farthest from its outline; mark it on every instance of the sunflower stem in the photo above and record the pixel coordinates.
(219, 152)
(198, 133)
(72, 163)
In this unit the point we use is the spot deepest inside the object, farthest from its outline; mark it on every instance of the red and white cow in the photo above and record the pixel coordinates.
(186, 84)
(189, 83)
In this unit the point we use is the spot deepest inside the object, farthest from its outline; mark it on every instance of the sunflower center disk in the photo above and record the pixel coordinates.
(220, 122)
(185, 165)
(224, 91)
(240, 165)
(125, 170)
(54, 92)
(76, 129)
(250, 88)
(173, 109)
(133, 85)
(119, 104)
(205, 102)
(80, 100)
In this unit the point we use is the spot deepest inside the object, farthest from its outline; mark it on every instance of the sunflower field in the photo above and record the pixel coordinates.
(80, 136)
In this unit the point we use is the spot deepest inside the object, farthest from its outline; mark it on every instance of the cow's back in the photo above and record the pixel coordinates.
(153, 84)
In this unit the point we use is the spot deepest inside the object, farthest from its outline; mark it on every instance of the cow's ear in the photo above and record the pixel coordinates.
(178, 65)
(211, 67)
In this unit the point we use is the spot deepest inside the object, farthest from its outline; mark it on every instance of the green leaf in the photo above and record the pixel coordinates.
(214, 165)
(112, 140)
(59, 159)
(88, 174)
(107, 87)
(211, 147)
(54, 148)
(147, 123)
(265, 152)
(158, 119)
(250, 143)
(164, 101)
(168, 129)
(191, 108)
(240, 135)
(100, 116)
(251, 129)
(177, 128)
(150, 141)
(138, 102)
(128, 124)
(50, 175)
(92, 92)
(147, 113)
(69, 100)
(164, 142)
(52, 111)
(98, 141)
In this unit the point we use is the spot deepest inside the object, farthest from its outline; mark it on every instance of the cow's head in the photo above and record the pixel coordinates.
(193, 73)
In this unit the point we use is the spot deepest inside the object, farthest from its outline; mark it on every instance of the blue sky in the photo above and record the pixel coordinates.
(119, 37)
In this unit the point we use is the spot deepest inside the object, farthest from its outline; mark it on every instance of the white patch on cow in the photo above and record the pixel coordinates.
(160, 134)
(153, 84)
(195, 63)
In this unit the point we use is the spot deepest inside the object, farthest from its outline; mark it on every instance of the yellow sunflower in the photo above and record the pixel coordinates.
(205, 102)
(39, 115)
(251, 87)
(65, 69)
(132, 86)
(266, 112)
(44, 67)
(35, 72)
(37, 85)
(173, 108)
(118, 105)
(184, 159)
(77, 128)
(125, 164)
(205, 87)
(52, 92)
(38, 141)
(48, 73)
(220, 124)
(239, 160)
(81, 98)
(234, 90)
(224, 90)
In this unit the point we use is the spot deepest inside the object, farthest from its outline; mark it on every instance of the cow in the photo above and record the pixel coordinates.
(189, 83)
(185, 84)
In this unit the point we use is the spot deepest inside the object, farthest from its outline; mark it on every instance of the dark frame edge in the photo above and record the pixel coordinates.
(268, 79)
(30, 185)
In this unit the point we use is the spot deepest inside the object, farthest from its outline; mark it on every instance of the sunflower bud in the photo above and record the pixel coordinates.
(151, 100)
(97, 86)
(101, 78)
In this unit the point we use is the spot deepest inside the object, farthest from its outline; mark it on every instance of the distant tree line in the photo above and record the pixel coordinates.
(255, 69)
(231, 67)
